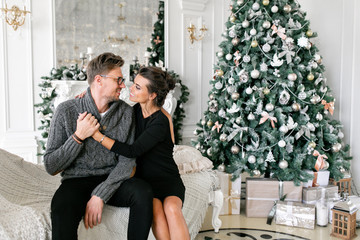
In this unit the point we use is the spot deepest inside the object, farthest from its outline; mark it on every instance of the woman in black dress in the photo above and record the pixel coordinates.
(153, 149)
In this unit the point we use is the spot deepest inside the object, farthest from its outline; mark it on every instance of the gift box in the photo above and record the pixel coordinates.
(321, 178)
(311, 195)
(295, 214)
(356, 201)
(231, 191)
(261, 194)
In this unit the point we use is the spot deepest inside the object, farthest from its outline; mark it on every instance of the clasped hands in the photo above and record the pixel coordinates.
(87, 125)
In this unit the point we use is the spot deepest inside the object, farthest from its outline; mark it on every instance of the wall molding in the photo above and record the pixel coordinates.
(194, 5)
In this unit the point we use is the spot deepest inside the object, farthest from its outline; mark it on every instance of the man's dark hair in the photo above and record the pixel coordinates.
(102, 64)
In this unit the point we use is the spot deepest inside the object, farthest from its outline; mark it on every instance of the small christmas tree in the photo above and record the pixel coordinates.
(269, 107)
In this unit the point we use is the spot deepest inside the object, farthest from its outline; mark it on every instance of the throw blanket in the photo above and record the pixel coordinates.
(26, 191)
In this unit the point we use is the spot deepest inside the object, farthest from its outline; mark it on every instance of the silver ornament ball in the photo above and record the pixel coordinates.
(256, 173)
(296, 107)
(235, 149)
(269, 107)
(255, 74)
(203, 122)
(220, 54)
(282, 143)
(253, 32)
(287, 8)
(252, 159)
(223, 137)
(231, 80)
(256, 6)
(245, 24)
(274, 9)
(284, 129)
(292, 76)
(228, 56)
(283, 164)
(235, 41)
(208, 152)
(266, 24)
(249, 90)
(336, 147)
(221, 168)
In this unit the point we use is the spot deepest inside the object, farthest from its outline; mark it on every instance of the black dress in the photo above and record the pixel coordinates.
(153, 149)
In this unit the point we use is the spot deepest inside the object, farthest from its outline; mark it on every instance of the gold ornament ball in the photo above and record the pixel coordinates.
(235, 149)
(287, 8)
(235, 96)
(296, 107)
(256, 173)
(312, 144)
(232, 18)
(315, 99)
(309, 33)
(336, 147)
(310, 77)
(235, 41)
(292, 77)
(209, 123)
(265, 2)
(254, 44)
(266, 91)
(220, 73)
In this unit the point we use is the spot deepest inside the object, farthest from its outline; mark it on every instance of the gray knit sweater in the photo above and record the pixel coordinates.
(90, 158)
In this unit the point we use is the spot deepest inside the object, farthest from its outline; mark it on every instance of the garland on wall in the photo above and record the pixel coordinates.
(155, 55)
(48, 94)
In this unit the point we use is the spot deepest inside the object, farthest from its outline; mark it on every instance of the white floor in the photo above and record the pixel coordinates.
(241, 221)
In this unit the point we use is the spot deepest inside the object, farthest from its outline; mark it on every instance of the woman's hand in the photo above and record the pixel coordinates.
(81, 95)
(86, 126)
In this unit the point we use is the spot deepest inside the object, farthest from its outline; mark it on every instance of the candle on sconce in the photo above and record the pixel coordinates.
(82, 55)
(135, 58)
(90, 50)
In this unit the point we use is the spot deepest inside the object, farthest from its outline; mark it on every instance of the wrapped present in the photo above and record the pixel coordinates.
(295, 214)
(261, 194)
(321, 178)
(356, 201)
(312, 194)
(231, 191)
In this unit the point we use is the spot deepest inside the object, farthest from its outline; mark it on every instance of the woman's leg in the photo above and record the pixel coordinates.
(175, 219)
(160, 227)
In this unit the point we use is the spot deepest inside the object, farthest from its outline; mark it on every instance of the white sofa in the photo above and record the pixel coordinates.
(26, 191)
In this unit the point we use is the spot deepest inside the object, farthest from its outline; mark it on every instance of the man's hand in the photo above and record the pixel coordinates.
(93, 212)
(87, 124)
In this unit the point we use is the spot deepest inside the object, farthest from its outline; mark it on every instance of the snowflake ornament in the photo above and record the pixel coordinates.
(303, 42)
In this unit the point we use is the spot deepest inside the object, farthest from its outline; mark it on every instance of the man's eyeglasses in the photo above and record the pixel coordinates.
(119, 80)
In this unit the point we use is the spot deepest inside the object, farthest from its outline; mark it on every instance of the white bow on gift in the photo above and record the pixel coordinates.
(234, 194)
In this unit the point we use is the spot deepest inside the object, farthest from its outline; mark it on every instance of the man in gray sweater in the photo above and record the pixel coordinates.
(91, 174)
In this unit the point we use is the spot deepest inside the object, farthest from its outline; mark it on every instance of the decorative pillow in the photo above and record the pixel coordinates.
(190, 160)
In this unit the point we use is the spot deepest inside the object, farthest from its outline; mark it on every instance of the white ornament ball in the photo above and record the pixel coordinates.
(235, 96)
(238, 120)
(266, 47)
(240, 2)
(282, 143)
(314, 65)
(274, 9)
(218, 85)
(310, 126)
(269, 107)
(266, 24)
(246, 58)
(302, 95)
(235, 149)
(211, 96)
(231, 89)
(195, 132)
(319, 116)
(284, 129)
(253, 32)
(342, 170)
(221, 168)
(203, 122)
(255, 73)
(249, 90)
(223, 137)
(154, 54)
(231, 80)
(336, 147)
(245, 24)
(228, 56)
(292, 77)
(326, 165)
(252, 159)
(256, 6)
(256, 173)
(197, 146)
(341, 135)
(220, 54)
(251, 117)
(283, 164)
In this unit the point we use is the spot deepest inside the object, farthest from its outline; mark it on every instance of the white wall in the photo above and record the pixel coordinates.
(28, 54)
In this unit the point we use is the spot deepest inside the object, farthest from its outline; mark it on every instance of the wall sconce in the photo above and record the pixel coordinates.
(14, 16)
(191, 29)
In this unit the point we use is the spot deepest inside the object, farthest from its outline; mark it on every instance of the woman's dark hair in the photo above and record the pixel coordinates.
(103, 64)
(160, 83)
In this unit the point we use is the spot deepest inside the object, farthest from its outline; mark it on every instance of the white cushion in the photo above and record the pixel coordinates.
(190, 160)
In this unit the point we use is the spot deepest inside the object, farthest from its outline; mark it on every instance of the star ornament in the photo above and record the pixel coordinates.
(157, 40)
(217, 126)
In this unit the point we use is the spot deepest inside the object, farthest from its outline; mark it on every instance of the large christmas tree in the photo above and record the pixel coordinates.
(269, 109)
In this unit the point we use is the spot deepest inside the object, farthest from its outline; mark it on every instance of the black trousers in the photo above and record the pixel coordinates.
(69, 203)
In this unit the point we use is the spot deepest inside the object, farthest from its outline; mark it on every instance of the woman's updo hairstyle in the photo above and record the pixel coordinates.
(160, 82)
